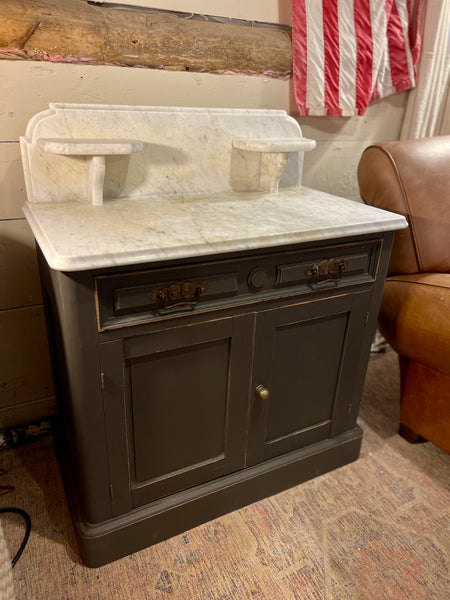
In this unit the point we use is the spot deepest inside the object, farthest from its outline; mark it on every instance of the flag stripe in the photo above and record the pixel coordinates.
(348, 53)
(381, 73)
(397, 53)
(299, 54)
(331, 56)
(315, 88)
(403, 15)
(364, 63)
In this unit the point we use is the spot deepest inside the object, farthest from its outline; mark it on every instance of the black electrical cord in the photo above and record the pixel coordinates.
(26, 516)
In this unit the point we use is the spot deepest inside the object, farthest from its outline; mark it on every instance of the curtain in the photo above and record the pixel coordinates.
(349, 53)
(426, 111)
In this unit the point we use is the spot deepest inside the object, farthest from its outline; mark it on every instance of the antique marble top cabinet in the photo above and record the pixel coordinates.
(210, 318)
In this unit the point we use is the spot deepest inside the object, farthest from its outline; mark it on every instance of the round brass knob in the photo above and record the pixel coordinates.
(262, 392)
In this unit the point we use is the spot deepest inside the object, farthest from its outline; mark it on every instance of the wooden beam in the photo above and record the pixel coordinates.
(77, 32)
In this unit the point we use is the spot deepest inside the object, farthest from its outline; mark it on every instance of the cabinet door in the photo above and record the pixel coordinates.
(176, 405)
(306, 356)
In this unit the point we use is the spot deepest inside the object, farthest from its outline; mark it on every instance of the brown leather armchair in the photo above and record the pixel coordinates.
(412, 177)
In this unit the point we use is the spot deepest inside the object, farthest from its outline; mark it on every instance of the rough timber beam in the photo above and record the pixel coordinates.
(77, 32)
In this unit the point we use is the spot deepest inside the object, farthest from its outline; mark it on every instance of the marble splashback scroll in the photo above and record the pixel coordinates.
(87, 153)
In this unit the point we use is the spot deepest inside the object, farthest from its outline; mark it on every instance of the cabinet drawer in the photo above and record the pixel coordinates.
(155, 294)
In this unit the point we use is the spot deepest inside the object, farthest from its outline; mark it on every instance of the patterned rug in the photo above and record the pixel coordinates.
(378, 529)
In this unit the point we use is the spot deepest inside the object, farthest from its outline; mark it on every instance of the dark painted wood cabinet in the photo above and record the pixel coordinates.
(187, 390)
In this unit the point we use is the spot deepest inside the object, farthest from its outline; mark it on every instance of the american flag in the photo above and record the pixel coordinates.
(349, 53)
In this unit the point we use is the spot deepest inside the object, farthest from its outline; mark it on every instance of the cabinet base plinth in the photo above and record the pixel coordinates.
(159, 520)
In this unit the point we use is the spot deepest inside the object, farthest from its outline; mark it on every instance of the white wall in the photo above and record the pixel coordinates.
(27, 88)
(341, 141)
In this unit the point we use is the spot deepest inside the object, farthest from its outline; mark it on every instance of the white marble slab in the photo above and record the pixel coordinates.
(76, 236)
(187, 187)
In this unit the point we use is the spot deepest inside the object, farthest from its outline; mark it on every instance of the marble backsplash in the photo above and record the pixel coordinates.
(183, 151)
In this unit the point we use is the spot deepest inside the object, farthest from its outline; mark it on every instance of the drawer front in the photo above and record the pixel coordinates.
(156, 294)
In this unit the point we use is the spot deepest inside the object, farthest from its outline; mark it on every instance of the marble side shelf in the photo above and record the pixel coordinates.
(95, 151)
(273, 156)
(82, 147)
(275, 145)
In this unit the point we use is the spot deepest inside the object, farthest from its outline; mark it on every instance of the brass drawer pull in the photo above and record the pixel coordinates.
(262, 392)
(177, 295)
(327, 271)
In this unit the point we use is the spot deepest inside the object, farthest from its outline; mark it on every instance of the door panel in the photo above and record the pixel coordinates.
(179, 400)
(301, 354)
(185, 396)
(306, 361)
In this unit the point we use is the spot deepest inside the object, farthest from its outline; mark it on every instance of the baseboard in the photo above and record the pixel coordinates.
(159, 520)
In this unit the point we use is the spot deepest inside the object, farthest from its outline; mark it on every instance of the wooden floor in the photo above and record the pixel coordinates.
(376, 529)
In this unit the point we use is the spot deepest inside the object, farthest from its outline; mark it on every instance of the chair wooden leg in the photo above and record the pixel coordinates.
(409, 435)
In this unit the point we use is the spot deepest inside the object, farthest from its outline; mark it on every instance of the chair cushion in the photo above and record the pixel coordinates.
(415, 318)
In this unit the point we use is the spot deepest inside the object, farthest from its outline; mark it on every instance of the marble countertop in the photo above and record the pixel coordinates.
(77, 236)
